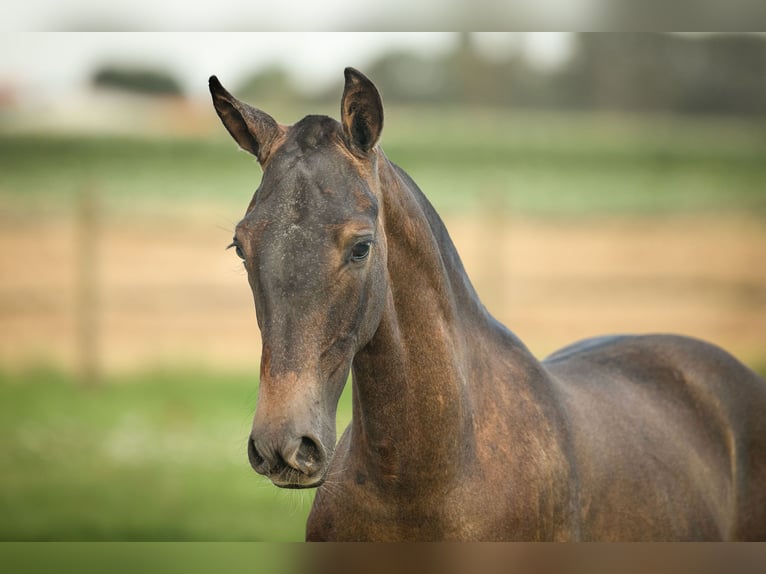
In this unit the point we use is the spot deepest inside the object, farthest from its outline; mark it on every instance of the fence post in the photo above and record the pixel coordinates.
(88, 305)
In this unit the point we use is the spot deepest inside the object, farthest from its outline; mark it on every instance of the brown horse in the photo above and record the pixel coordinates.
(458, 432)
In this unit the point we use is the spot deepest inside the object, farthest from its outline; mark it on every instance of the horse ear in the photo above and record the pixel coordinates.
(251, 128)
(361, 111)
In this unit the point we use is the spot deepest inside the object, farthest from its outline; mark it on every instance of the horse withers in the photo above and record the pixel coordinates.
(458, 431)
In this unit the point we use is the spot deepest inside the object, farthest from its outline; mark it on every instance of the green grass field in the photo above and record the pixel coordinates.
(159, 456)
(545, 165)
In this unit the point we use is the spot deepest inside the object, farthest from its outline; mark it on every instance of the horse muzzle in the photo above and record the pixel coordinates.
(295, 463)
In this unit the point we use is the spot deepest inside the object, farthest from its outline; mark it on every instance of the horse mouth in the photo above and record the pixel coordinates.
(292, 485)
(290, 478)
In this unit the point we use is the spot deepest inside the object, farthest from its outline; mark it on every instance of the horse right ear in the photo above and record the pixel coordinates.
(361, 112)
(254, 130)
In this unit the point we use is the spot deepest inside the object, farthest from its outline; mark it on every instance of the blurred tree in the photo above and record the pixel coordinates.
(471, 78)
(462, 77)
(408, 77)
(660, 72)
(142, 80)
(624, 71)
(724, 74)
(270, 84)
(635, 72)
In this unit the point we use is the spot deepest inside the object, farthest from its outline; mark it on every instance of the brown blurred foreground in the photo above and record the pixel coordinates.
(170, 295)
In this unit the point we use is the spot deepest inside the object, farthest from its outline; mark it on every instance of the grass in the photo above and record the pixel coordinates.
(530, 163)
(152, 457)
(159, 456)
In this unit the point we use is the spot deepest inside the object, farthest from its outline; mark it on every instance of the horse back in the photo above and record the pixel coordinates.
(668, 438)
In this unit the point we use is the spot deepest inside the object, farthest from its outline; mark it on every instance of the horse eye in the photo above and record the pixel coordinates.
(237, 249)
(360, 251)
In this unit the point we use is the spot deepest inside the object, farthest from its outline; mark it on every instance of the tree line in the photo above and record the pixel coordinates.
(700, 74)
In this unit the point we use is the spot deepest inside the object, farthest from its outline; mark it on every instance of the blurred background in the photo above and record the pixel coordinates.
(593, 183)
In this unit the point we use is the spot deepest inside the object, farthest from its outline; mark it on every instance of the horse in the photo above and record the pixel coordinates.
(458, 432)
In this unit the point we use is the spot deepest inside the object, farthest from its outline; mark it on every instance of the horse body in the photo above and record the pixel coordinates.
(615, 438)
(458, 432)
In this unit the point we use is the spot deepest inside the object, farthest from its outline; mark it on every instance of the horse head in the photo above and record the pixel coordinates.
(314, 248)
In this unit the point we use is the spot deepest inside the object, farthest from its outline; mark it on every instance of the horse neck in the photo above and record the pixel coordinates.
(412, 401)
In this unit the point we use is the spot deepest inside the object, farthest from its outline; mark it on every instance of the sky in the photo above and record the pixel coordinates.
(338, 15)
(57, 65)
(298, 15)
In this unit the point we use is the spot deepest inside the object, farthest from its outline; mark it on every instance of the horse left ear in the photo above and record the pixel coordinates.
(361, 112)
(252, 129)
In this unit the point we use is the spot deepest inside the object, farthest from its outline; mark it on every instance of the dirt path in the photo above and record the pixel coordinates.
(171, 295)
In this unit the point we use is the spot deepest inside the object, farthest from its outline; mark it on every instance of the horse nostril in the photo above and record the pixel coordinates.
(310, 454)
(256, 460)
